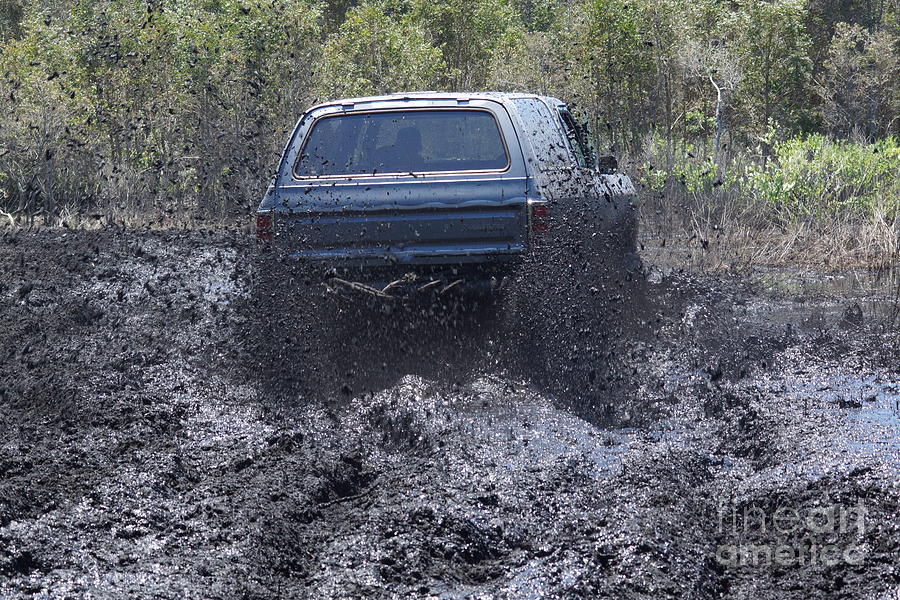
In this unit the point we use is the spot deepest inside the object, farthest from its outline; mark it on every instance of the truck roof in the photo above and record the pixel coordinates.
(429, 95)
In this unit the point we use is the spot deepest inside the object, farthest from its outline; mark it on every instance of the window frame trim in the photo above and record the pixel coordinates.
(415, 174)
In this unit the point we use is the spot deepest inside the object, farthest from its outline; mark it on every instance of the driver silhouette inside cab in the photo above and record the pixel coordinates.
(406, 153)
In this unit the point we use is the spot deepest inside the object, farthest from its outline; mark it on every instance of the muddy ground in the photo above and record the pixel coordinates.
(747, 446)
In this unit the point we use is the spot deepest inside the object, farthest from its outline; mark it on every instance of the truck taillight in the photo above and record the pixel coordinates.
(539, 216)
(264, 229)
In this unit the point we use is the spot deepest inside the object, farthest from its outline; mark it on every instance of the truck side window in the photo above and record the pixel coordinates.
(574, 134)
(543, 134)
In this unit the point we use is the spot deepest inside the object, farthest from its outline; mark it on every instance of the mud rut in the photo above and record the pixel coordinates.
(149, 450)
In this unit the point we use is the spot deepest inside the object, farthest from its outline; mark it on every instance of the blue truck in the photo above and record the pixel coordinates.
(439, 191)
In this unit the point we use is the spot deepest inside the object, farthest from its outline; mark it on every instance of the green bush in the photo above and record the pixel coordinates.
(803, 177)
(132, 109)
(815, 176)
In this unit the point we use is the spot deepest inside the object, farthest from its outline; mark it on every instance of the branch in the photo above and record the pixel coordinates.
(715, 85)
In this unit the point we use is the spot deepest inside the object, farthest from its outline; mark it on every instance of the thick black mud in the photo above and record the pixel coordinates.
(165, 434)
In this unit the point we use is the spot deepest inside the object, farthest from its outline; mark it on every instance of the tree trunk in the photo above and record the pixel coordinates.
(719, 124)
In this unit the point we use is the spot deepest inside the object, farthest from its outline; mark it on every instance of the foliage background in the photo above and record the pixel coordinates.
(149, 111)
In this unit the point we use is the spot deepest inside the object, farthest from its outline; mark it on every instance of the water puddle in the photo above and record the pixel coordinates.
(817, 300)
(530, 432)
(870, 407)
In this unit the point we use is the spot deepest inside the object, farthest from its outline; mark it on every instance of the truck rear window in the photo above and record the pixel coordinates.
(413, 141)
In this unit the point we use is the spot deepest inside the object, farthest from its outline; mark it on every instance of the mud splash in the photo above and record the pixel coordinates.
(143, 455)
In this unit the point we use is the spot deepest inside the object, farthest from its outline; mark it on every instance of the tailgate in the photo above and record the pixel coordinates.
(415, 221)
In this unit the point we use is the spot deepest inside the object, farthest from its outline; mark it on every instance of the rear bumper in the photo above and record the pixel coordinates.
(419, 256)
(434, 270)
(408, 280)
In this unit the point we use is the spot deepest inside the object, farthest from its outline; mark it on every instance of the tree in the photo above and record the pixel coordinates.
(770, 38)
(612, 69)
(713, 65)
(531, 64)
(469, 33)
(373, 53)
(823, 16)
(665, 32)
(11, 13)
(539, 15)
(859, 87)
(173, 102)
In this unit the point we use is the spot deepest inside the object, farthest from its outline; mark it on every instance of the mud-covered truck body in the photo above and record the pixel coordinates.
(439, 189)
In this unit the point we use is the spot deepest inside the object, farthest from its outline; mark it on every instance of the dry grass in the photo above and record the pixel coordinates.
(743, 239)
